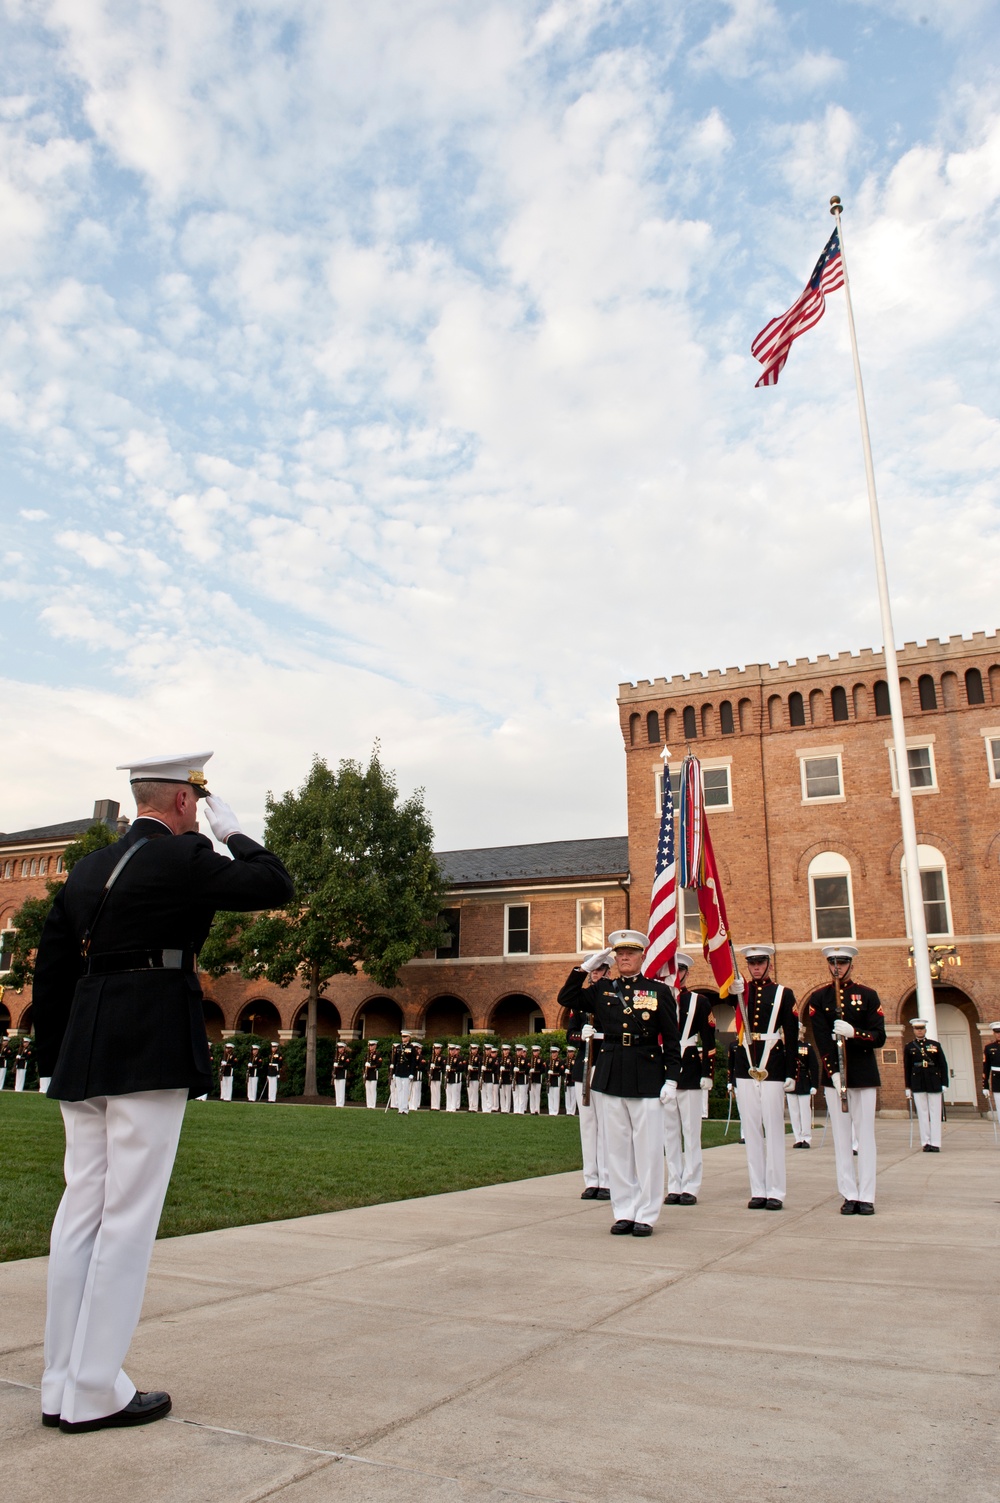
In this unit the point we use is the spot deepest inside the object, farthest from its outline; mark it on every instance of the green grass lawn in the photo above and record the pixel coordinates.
(239, 1163)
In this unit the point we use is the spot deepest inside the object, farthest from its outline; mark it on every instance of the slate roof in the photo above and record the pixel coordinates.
(67, 830)
(549, 861)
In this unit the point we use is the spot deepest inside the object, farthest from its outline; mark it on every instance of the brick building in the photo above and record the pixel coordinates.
(799, 782)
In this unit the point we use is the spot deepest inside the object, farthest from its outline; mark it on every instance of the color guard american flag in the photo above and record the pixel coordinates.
(659, 962)
(774, 341)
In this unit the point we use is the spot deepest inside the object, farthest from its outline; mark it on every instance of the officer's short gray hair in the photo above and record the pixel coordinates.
(154, 795)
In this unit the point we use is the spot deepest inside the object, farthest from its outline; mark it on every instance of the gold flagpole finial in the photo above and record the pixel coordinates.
(835, 204)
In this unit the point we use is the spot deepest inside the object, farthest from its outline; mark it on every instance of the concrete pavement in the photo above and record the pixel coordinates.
(498, 1344)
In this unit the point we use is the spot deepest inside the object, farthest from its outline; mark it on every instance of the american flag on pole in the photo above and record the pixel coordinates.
(659, 962)
(774, 341)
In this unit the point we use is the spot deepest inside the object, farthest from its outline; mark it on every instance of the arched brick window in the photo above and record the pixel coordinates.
(634, 722)
(796, 709)
(707, 720)
(652, 728)
(690, 723)
(774, 712)
(726, 718)
(882, 706)
(927, 692)
(838, 703)
(974, 687)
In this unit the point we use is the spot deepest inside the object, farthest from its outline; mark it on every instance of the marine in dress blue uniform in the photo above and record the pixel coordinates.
(925, 1072)
(764, 1072)
(859, 1021)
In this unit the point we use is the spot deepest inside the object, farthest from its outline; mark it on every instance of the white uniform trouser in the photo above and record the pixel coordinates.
(119, 1154)
(553, 1101)
(253, 1087)
(402, 1084)
(340, 1092)
(20, 1076)
(571, 1099)
(633, 1148)
(855, 1182)
(272, 1088)
(371, 1093)
(416, 1093)
(762, 1115)
(595, 1171)
(682, 1143)
(928, 1105)
(472, 1087)
(521, 1099)
(800, 1115)
(489, 1096)
(435, 1090)
(3, 1076)
(226, 1087)
(453, 1096)
(506, 1098)
(393, 1092)
(535, 1099)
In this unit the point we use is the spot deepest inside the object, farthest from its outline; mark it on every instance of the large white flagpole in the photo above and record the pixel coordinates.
(914, 890)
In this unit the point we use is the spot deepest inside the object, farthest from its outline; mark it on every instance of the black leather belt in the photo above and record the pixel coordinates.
(117, 962)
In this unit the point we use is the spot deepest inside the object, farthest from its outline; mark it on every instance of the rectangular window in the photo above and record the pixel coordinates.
(448, 949)
(832, 907)
(993, 757)
(8, 870)
(935, 902)
(920, 764)
(689, 926)
(518, 929)
(716, 784)
(821, 778)
(589, 924)
(24, 868)
(6, 942)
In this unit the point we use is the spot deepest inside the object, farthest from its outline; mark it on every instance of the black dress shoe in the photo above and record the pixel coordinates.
(757, 1203)
(603, 1193)
(927, 1148)
(622, 1228)
(672, 1200)
(141, 1409)
(864, 1208)
(855, 1152)
(849, 1208)
(935, 1149)
(51, 1420)
(774, 1205)
(640, 1229)
(687, 1199)
(590, 1193)
(805, 1145)
(798, 1145)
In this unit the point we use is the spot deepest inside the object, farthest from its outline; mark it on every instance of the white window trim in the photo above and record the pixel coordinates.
(935, 933)
(6, 929)
(706, 766)
(686, 896)
(515, 954)
(850, 903)
(812, 755)
(913, 743)
(579, 923)
(990, 733)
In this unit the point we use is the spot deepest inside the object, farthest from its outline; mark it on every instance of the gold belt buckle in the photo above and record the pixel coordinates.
(758, 1074)
(627, 1040)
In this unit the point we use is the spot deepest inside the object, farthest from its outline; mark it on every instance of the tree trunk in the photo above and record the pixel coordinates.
(310, 1083)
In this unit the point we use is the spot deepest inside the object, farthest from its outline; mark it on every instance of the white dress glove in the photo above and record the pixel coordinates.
(731, 1089)
(813, 1091)
(789, 1086)
(737, 986)
(705, 1083)
(588, 1031)
(909, 1095)
(221, 819)
(595, 961)
(843, 1029)
(835, 1077)
(668, 1092)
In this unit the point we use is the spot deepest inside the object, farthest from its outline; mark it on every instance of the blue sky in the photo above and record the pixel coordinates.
(383, 371)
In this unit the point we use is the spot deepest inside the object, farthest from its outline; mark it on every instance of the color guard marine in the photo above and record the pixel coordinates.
(764, 1072)
(800, 1100)
(991, 1069)
(636, 1073)
(338, 1075)
(369, 1073)
(454, 1074)
(274, 1072)
(848, 1026)
(682, 1116)
(925, 1072)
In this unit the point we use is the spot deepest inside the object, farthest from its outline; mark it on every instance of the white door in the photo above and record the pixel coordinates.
(956, 1041)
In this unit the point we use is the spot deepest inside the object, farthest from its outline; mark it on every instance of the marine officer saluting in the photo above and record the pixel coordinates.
(119, 1025)
(637, 1071)
(847, 1013)
(925, 1071)
(764, 1070)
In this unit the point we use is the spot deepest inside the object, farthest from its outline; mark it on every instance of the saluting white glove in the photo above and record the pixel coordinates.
(668, 1092)
(909, 1095)
(588, 1031)
(595, 961)
(789, 1085)
(705, 1083)
(843, 1029)
(222, 820)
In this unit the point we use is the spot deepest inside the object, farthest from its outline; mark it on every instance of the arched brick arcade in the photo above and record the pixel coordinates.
(515, 1014)
(446, 1016)
(260, 1017)
(327, 1020)
(380, 1017)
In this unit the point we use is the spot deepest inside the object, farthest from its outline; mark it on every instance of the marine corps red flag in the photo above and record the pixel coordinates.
(699, 872)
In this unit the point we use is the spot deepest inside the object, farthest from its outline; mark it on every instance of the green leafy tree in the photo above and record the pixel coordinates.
(368, 890)
(29, 920)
